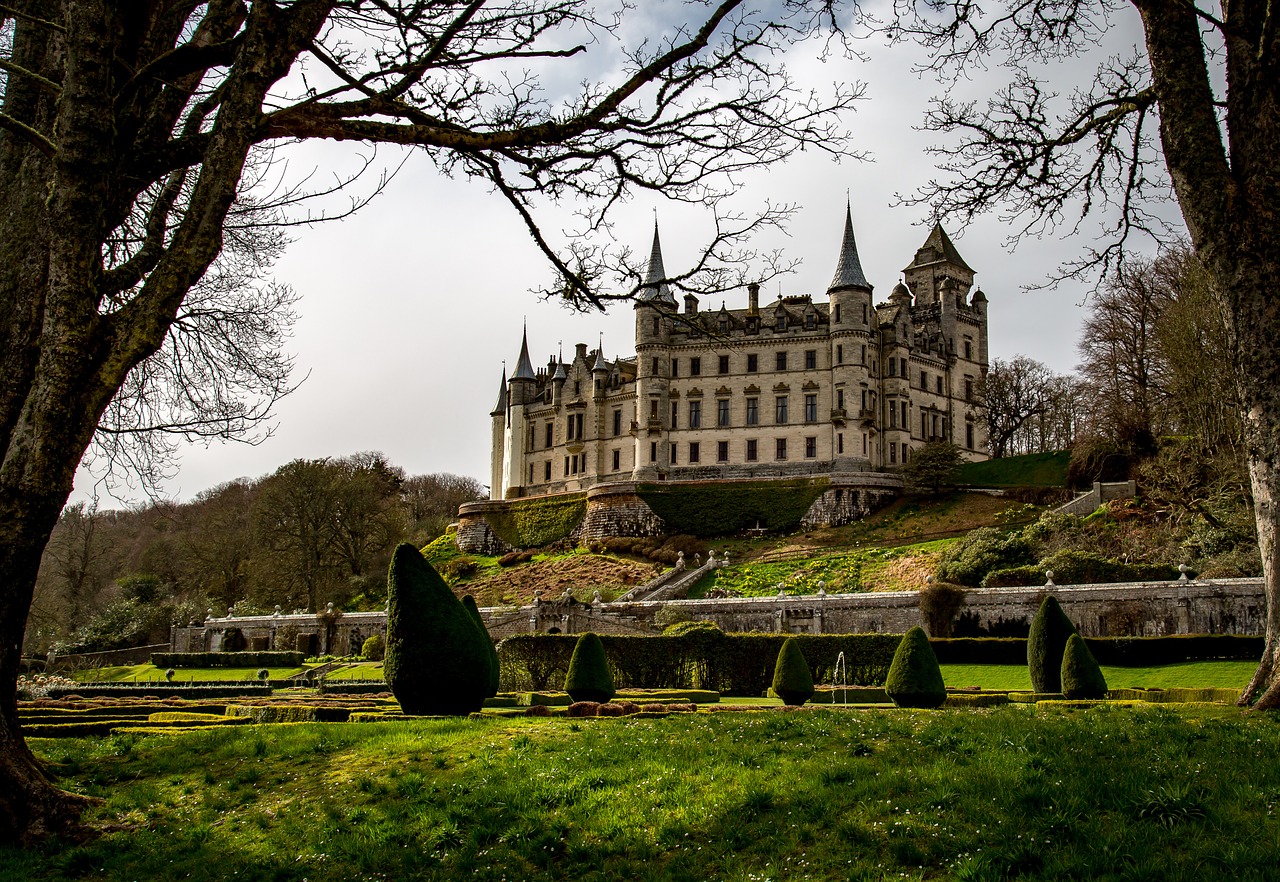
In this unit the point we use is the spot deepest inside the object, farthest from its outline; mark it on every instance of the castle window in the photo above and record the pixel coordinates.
(533, 444)
(753, 363)
(780, 448)
(550, 434)
(568, 428)
(837, 319)
(810, 359)
(839, 443)
(906, 453)
(653, 409)
(656, 326)
(695, 367)
(577, 424)
(617, 423)
(968, 350)
(724, 326)
(924, 381)
(695, 452)
(839, 354)
(753, 411)
(654, 370)
(530, 473)
(781, 361)
(546, 470)
(905, 422)
(675, 367)
(753, 326)
(722, 412)
(780, 410)
(653, 451)
(577, 388)
(893, 367)
(617, 460)
(566, 466)
(864, 313)
(893, 416)
(723, 364)
(862, 359)
(810, 447)
(695, 414)
(672, 453)
(840, 399)
(675, 414)
(905, 372)
(968, 435)
(864, 443)
(939, 379)
(810, 321)
(968, 389)
(893, 453)
(781, 325)
(722, 451)
(752, 450)
(811, 408)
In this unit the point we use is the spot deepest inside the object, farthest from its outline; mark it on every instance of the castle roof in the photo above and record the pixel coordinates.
(655, 290)
(849, 272)
(524, 367)
(601, 364)
(501, 407)
(938, 248)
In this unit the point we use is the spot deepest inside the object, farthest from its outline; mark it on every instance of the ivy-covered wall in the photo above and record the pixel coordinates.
(724, 509)
(532, 523)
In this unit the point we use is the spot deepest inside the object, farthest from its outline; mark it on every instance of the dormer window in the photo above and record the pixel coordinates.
(810, 322)
(724, 326)
(781, 325)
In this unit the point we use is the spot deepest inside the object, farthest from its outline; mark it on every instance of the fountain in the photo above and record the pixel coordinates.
(840, 680)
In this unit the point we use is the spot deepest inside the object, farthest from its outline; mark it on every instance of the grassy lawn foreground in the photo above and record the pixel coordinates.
(1107, 793)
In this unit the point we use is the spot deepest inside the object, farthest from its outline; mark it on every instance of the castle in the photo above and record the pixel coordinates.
(796, 388)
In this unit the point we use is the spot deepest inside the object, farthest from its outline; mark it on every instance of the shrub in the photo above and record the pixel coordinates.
(1050, 630)
(436, 662)
(264, 675)
(233, 640)
(491, 654)
(373, 648)
(791, 678)
(679, 629)
(933, 466)
(940, 602)
(589, 678)
(1081, 676)
(981, 551)
(915, 680)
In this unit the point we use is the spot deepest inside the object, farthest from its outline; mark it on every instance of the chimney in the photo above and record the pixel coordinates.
(753, 299)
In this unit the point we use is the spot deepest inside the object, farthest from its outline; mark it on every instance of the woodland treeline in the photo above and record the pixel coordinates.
(315, 531)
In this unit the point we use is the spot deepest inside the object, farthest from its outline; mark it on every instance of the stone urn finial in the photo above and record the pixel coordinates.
(1048, 575)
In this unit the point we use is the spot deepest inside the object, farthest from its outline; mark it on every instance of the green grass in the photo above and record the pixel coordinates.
(147, 673)
(1015, 792)
(1029, 470)
(1226, 674)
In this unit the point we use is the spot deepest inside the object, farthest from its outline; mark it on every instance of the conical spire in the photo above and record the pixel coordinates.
(501, 407)
(524, 367)
(849, 269)
(655, 290)
(601, 364)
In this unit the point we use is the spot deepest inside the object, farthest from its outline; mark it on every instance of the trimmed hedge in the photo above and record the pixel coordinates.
(1050, 631)
(491, 654)
(227, 659)
(1133, 652)
(289, 713)
(158, 690)
(1081, 676)
(792, 681)
(914, 679)
(588, 678)
(352, 687)
(731, 664)
(533, 523)
(707, 511)
(1180, 694)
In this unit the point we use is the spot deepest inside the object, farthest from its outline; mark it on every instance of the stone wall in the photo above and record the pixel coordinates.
(849, 500)
(1147, 609)
(1087, 503)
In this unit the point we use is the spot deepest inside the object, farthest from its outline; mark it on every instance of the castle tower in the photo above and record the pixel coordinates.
(852, 321)
(522, 389)
(497, 450)
(655, 308)
(935, 260)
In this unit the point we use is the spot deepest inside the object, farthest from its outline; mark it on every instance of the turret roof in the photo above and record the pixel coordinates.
(655, 290)
(939, 243)
(501, 406)
(849, 272)
(524, 367)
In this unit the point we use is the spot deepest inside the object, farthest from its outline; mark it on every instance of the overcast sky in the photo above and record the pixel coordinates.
(409, 308)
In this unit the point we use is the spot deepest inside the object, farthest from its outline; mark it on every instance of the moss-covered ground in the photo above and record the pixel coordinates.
(1185, 792)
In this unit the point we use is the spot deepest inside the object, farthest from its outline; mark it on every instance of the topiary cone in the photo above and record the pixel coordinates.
(1050, 630)
(589, 678)
(792, 681)
(915, 680)
(435, 658)
(495, 669)
(1081, 676)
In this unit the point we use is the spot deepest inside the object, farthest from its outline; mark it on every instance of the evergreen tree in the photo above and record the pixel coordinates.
(1046, 642)
(589, 678)
(435, 662)
(495, 668)
(1081, 676)
(915, 680)
(792, 681)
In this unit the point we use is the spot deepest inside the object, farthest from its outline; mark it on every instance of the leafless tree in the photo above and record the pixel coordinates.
(1196, 112)
(1014, 395)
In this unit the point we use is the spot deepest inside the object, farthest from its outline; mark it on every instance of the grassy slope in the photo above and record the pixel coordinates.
(1033, 794)
(1029, 470)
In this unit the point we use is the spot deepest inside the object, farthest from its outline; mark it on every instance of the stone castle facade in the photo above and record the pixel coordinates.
(793, 388)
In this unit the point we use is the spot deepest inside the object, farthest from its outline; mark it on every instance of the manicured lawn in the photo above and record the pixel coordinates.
(1028, 470)
(1157, 793)
(1226, 674)
(146, 673)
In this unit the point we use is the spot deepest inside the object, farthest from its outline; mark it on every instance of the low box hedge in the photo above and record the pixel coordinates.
(849, 695)
(1034, 697)
(159, 690)
(274, 659)
(355, 687)
(1180, 694)
(975, 699)
(290, 713)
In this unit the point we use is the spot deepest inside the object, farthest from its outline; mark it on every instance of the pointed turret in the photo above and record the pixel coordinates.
(524, 367)
(938, 248)
(849, 272)
(601, 364)
(501, 407)
(655, 290)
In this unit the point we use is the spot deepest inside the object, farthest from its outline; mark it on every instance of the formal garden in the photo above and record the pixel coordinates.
(693, 755)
